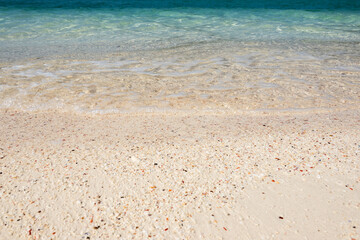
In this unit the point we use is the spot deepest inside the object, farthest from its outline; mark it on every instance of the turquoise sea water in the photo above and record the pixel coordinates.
(45, 27)
(175, 38)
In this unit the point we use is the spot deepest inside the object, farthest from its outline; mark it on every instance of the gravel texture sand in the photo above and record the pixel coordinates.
(180, 176)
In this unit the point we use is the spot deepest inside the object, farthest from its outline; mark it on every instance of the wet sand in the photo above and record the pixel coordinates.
(234, 79)
(180, 176)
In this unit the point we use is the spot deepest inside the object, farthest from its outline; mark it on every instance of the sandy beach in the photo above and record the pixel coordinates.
(170, 119)
(251, 175)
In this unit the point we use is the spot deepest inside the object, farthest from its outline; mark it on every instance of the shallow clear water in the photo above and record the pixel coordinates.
(32, 32)
(262, 52)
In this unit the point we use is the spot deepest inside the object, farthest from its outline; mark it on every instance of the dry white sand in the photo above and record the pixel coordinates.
(173, 176)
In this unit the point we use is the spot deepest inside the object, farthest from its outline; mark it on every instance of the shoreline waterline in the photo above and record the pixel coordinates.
(239, 78)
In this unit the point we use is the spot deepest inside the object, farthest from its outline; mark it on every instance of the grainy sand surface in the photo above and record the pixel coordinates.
(179, 176)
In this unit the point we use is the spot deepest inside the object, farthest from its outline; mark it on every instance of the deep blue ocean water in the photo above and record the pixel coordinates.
(274, 4)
